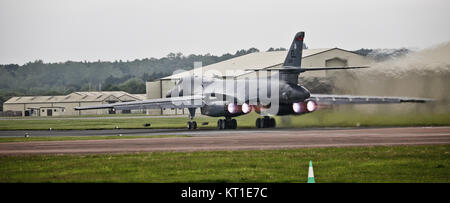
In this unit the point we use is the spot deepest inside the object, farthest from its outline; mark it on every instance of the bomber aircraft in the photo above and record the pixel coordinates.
(278, 93)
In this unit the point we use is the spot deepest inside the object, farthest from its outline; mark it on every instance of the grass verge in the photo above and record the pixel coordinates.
(351, 164)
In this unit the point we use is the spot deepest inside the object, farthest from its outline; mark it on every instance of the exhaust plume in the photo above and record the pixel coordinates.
(424, 73)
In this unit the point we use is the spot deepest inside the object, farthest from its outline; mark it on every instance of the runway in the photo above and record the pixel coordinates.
(256, 139)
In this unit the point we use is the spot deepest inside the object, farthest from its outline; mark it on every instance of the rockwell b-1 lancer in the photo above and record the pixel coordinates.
(276, 94)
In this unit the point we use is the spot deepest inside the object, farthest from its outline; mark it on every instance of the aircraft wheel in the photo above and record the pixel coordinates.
(265, 122)
(233, 124)
(272, 123)
(191, 125)
(225, 124)
(220, 124)
(258, 123)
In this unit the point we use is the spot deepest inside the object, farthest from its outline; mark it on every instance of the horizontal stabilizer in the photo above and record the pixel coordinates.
(332, 68)
(352, 99)
(301, 70)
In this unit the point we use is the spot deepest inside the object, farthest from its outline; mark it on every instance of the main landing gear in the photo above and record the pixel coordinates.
(226, 123)
(229, 123)
(265, 122)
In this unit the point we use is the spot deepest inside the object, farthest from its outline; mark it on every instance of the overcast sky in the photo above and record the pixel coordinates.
(78, 30)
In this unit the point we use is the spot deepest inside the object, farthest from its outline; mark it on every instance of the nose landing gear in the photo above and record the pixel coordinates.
(191, 125)
(265, 122)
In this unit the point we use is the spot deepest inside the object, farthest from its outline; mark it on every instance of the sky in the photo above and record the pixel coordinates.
(108, 30)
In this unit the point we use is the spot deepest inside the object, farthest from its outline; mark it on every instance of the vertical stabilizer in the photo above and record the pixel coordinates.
(294, 56)
(293, 60)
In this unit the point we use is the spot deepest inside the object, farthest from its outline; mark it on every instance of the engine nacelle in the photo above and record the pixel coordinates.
(234, 108)
(219, 109)
(295, 108)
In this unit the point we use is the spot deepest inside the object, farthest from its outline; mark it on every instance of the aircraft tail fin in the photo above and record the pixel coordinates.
(293, 60)
(294, 56)
(291, 68)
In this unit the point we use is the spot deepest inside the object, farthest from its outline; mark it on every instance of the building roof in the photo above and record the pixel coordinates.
(77, 97)
(236, 66)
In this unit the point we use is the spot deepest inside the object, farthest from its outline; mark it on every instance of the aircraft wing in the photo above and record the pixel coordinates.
(173, 102)
(291, 69)
(351, 99)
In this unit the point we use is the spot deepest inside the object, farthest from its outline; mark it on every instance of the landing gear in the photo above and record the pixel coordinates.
(266, 122)
(191, 125)
(226, 123)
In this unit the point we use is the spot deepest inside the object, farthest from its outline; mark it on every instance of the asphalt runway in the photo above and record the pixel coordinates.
(112, 132)
(254, 139)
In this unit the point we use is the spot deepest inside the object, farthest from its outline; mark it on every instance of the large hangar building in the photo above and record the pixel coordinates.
(235, 68)
(64, 105)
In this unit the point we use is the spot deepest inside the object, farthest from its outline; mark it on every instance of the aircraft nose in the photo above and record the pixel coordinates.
(169, 94)
(174, 92)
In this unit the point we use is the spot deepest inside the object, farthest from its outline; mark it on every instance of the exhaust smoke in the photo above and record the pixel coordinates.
(425, 73)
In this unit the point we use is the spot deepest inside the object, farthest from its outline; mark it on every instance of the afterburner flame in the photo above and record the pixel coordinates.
(246, 108)
(311, 106)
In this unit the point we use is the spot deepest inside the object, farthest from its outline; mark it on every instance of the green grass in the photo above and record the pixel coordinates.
(111, 123)
(82, 116)
(324, 118)
(329, 118)
(352, 164)
(82, 124)
(66, 138)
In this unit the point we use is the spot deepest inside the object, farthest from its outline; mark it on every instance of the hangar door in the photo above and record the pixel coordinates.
(334, 62)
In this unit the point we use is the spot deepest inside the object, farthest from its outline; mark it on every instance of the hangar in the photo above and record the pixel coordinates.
(235, 68)
(64, 105)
